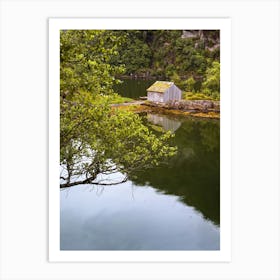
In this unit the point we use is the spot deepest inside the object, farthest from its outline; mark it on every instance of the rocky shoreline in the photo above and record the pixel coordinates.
(204, 106)
(194, 108)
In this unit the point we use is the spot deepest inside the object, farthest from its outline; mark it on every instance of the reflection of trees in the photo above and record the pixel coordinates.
(194, 173)
(209, 136)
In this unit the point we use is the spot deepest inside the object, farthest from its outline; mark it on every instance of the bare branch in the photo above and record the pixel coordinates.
(91, 181)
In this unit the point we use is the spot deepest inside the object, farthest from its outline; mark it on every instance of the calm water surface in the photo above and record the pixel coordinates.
(133, 88)
(175, 206)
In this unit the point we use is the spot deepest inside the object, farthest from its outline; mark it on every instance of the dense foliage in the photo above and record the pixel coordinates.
(95, 140)
(188, 59)
(84, 57)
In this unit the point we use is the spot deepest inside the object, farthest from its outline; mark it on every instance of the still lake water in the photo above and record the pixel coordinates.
(133, 88)
(175, 206)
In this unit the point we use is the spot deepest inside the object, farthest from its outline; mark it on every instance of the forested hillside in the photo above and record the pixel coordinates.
(189, 58)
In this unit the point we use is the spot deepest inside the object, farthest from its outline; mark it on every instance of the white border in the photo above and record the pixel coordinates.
(224, 254)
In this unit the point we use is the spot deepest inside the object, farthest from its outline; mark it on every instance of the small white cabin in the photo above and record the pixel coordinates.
(164, 92)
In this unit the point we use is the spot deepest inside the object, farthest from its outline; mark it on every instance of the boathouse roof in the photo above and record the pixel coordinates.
(160, 86)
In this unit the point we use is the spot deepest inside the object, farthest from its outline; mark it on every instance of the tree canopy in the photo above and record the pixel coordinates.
(94, 139)
(84, 57)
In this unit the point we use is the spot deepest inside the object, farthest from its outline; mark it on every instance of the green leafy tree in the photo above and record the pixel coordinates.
(190, 83)
(211, 85)
(94, 139)
(84, 61)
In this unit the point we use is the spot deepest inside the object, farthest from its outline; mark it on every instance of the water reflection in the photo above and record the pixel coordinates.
(194, 173)
(175, 206)
(132, 218)
(163, 121)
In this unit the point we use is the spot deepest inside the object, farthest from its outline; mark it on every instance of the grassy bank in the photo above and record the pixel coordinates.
(196, 96)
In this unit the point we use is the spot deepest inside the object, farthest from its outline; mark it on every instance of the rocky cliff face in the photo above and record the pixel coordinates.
(211, 39)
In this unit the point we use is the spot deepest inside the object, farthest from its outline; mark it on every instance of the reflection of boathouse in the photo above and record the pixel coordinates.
(164, 122)
(163, 92)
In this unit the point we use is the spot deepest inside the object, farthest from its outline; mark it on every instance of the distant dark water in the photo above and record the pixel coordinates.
(133, 88)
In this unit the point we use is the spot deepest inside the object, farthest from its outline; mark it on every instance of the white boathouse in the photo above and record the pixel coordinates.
(163, 92)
